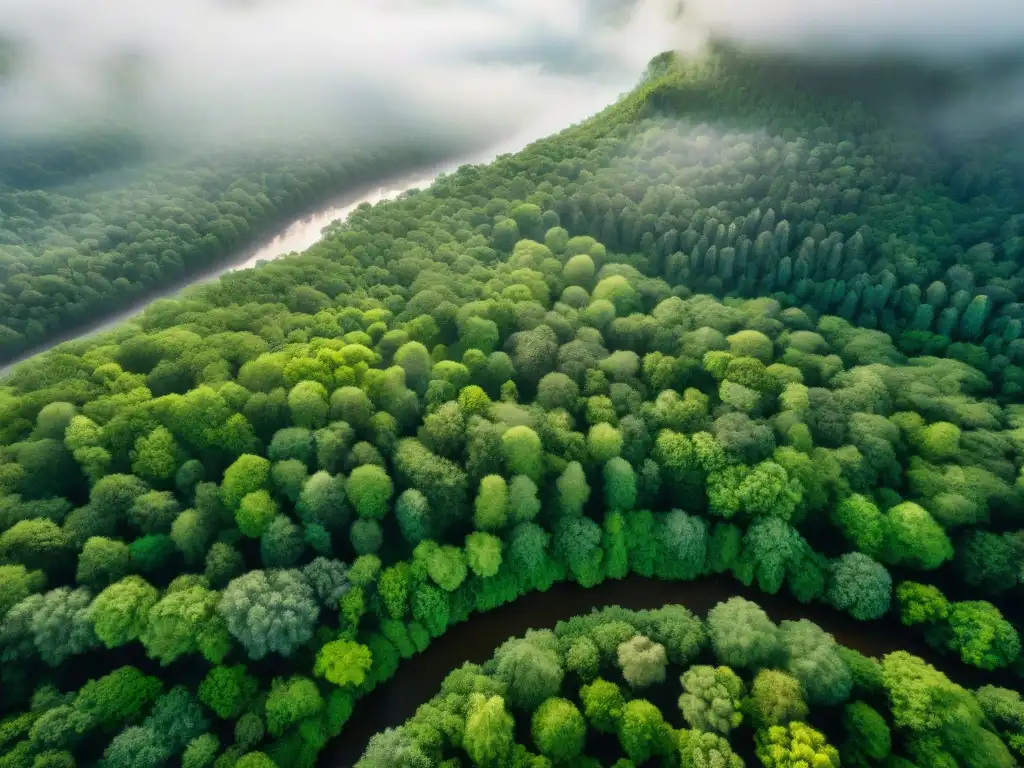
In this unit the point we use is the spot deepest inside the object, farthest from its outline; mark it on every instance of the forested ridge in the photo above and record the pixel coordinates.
(703, 332)
(90, 228)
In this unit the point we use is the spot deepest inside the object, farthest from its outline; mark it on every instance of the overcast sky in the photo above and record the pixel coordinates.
(367, 69)
(359, 67)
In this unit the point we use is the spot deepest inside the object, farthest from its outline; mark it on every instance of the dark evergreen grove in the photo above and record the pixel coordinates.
(728, 325)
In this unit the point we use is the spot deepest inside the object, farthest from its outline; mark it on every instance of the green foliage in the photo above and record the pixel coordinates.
(642, 661)
(228, 691)
(269, 611)
(491, 503)
(370, 489)
(558, 729)
(117, 698)
(698, 749)
(343, 662)
(489, 734)
(795, 746)
(643, 731)
(775, 699)
(742, 635)
(711, 698)
(290, 701)
(861, 586)
(862, 373)
(866, 731)
(120, 612)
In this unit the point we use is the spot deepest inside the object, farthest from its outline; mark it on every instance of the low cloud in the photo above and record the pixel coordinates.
(245, 70)
(949, 32)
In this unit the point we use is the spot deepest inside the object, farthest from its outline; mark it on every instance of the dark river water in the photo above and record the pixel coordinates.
(419, 678)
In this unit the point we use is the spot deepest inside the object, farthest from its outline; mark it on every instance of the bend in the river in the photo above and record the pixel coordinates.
(418, 679)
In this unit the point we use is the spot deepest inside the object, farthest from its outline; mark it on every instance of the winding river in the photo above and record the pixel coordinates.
(302, 232)
(419, 678)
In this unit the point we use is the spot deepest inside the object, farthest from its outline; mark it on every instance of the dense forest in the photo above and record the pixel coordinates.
(727, 326)
(617, 683)
(90, 228)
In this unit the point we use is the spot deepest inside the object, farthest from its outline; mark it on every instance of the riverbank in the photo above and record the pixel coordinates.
(419, 678)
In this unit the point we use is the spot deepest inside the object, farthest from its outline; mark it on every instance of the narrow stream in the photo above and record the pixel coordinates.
(475, 640)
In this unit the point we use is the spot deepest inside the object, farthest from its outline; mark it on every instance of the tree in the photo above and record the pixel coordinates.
(136, 747)
(775, 699)
(939, 441)
(980, 634)
(491, 503)
(102, 562)
(642, 661)
(795, 746)
(352, 405)
(269, 611)
(602, 703)
(620, 489)
(604, 442)
(921, 603)
(17, 583)
(643, 731)
(247, 474)
(861, 523)
(36, 543)
(531, 669)
(255, 514)
(307, 403)
(558, 729)
(282, 544)
(393, 748)
(490, 731)
(742, 635)
(521, 448)
(343, 663)
(200, 752)
(750, 343)
(583, 658)
(228, 691)
(255, 760)
(866, 730)
(861, 586)
(120, 613)
(157, 456)
(556, 390)
(323, 501)
(370, 489)
(178, 718)
(413, 514)
(914, 539)
(185, 621)
(290, 701)
(711, 698)
(812, 659)
(483, 554)
(445, 565)
(698, 749)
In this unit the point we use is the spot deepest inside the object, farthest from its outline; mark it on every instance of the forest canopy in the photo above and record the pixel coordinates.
(705, 332)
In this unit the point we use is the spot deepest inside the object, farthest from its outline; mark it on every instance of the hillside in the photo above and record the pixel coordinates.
(727, 326)
(92, 227)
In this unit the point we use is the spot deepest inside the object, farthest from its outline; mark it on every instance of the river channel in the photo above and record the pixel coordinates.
(419, 678)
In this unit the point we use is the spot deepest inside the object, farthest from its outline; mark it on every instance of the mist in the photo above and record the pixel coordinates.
(977, 45)
(470, 72)
(244, 71)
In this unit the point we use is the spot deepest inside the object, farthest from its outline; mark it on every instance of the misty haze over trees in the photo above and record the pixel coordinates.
(759, 322)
